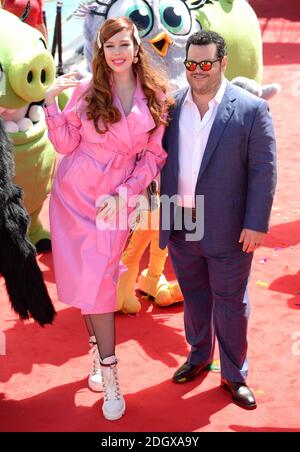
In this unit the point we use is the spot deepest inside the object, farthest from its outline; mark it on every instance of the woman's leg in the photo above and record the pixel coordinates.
(94, 378)
(103, 327)
(88, 325)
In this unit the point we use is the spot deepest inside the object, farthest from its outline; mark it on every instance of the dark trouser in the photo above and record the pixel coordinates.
(215, 303)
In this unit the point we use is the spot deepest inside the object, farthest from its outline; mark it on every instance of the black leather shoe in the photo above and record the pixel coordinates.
(188, 372)
(241, 394)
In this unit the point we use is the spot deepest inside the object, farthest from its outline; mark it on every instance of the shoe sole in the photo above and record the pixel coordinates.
(95, 389)
(236, 402)
(114, 418)
(186, 379)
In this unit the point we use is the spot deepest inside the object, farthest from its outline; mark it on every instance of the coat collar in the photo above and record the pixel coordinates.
(138, 121)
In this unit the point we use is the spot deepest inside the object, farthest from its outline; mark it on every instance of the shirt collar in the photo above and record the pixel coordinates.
(221, 91)
(218, 97)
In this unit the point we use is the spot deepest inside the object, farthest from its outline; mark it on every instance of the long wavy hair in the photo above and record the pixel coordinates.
(99, 97)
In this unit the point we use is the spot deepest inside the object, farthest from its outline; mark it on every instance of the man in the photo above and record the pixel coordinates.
(221, 149)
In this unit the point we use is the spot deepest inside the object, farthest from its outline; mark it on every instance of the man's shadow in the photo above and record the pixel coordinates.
(285, 235)
(288, 284)
(242, 428)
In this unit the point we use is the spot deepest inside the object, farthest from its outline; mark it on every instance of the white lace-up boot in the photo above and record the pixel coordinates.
(114, 404)
(95, 380)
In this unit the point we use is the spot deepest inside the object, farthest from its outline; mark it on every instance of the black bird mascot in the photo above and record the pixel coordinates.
(18, 266)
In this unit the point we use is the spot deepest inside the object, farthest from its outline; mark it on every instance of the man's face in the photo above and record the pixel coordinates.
(201, 82)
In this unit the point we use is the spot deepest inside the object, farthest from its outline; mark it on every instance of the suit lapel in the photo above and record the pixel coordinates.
(173, 131)
(225, 111)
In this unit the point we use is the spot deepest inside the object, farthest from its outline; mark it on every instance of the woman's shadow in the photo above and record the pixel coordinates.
(28, 344)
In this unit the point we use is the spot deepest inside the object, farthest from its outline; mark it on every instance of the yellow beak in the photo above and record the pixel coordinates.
(161, 43)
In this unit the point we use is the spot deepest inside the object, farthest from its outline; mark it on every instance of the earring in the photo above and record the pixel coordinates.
(135, 60)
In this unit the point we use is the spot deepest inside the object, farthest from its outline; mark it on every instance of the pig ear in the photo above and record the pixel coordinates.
(26, 12)
(197, 4)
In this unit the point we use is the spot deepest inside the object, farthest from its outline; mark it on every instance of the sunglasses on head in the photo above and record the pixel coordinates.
(204, 65)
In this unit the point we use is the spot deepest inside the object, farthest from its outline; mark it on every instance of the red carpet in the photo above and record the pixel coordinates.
(43, 375)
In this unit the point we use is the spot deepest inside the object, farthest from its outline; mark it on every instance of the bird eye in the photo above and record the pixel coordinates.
(139, 11)
(175, 17)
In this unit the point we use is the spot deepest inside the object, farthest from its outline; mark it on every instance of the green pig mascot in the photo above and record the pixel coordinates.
(26, 71)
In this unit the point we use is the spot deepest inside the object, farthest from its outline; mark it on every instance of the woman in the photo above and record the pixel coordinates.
(111, 132)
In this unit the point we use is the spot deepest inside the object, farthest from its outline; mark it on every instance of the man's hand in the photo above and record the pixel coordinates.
(251, 240)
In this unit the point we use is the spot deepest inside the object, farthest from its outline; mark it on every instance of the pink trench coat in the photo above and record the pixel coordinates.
(86, 259)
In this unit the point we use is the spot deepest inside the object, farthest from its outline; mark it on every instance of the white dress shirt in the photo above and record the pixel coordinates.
(193, 137)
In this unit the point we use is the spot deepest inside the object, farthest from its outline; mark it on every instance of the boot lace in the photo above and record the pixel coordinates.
(96, 359)
(110, 382)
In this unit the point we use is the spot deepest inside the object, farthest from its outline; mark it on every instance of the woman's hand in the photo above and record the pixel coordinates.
(108, 208)
(60, 84)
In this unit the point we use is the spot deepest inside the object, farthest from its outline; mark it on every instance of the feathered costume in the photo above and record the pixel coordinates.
(18, 266)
